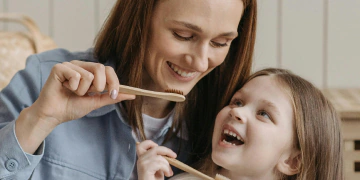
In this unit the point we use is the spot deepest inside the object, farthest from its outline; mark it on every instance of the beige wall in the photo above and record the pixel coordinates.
(317, 39)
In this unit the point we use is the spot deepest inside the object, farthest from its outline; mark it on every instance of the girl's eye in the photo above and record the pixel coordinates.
(218, 45)
(264, 114)
(236, 102)
(182, 37)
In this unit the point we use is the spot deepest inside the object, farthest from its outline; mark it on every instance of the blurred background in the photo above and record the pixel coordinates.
(317, 39)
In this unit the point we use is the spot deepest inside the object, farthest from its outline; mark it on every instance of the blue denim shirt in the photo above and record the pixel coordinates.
(97, 146)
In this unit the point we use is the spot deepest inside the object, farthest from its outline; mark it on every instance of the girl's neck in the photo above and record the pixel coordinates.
(236, 176)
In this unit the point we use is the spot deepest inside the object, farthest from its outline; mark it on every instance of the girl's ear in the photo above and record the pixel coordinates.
(290, 165)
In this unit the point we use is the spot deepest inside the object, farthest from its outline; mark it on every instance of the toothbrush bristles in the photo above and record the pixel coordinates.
(174, 91)
(221, 177)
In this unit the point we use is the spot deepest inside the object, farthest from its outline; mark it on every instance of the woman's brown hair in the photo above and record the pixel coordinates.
(318, 133)
(124, 38)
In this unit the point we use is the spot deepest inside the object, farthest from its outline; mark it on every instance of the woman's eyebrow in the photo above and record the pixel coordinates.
(188, 25)
(199, 30)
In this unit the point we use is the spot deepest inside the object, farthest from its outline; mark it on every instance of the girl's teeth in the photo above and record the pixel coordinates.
(226, 131)
(228, 142)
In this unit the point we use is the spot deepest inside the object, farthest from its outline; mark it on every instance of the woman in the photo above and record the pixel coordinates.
(155, 45)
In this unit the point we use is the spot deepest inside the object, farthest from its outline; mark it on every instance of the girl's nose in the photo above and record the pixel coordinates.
(237, 115)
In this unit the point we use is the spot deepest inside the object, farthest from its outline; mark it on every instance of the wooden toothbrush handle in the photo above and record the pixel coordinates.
(143, 92)
(187, 168)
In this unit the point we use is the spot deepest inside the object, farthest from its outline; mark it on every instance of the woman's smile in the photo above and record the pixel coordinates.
(183, 73)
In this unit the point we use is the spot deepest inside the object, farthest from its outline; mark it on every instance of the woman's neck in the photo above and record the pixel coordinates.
(154, 107)
(157, 108)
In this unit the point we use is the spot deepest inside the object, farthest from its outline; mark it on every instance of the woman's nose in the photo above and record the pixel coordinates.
(200, 57)
(237, 115)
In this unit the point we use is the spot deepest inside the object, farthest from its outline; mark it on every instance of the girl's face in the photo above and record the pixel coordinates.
(188, 39)
(255, 132)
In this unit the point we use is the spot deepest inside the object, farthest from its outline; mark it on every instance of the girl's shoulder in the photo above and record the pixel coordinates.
(185, 176)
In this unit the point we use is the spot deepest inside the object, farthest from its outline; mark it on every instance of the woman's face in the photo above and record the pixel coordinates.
(255, 131)
(189, 39)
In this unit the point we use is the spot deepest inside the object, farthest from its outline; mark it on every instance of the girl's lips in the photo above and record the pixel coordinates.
(230, 137)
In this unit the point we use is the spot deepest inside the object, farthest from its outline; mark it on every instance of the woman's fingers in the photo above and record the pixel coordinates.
(105, 99)
(104, 78)
(99, 72)
(65, 75)
(86, 78)
(112, 82)
(78, 77)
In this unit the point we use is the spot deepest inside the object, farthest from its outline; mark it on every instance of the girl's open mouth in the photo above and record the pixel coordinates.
(230, 137)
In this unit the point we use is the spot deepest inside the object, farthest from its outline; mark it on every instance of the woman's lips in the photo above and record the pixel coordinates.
(181, 72)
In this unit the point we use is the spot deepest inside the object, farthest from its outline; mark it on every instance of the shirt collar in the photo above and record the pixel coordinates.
(101, 111)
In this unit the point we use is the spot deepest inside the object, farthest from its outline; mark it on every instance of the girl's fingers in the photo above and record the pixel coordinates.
(154, 166)
(144, 147)
(163, 168)
(162, 150)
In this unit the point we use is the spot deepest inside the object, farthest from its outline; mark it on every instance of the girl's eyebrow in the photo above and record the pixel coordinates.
(199, 30)
(271, 106)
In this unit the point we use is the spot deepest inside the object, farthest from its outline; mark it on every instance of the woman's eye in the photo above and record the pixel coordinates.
(182, 37)
(218, 45)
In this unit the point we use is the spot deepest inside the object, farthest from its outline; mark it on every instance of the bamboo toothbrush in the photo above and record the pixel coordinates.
(191, 170)
(169, 94)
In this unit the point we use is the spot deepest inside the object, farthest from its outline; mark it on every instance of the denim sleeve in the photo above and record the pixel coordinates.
(21, 92)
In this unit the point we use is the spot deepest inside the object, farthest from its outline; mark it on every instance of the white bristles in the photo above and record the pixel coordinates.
(221, 177)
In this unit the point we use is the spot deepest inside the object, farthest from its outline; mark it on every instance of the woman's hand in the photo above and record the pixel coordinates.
(65, 96)
(151, 164)
(65, 93)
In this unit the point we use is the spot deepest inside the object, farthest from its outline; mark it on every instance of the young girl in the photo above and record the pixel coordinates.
(277, 126)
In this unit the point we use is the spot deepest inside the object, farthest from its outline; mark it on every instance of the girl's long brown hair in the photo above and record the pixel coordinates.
(124, 38)
(317, 124)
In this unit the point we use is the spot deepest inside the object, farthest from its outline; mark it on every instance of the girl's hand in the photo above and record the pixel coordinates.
(151, 164)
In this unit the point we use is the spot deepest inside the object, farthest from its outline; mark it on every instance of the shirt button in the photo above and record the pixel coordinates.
(11, 165)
